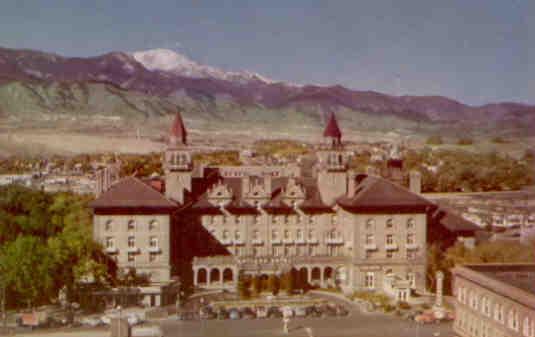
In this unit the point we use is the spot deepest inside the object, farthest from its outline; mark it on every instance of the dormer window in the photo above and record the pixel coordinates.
(389, 223)
(370, 224)
(410, 223)
(108, 225)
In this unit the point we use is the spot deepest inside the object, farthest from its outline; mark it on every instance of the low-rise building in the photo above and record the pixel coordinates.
(494, 300)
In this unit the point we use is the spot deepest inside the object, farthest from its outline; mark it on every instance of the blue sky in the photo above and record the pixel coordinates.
(476, 51)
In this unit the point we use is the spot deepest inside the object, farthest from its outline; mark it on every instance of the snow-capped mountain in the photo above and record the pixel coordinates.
(172, 62)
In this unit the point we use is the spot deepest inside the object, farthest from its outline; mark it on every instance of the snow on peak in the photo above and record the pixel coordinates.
(179, 64)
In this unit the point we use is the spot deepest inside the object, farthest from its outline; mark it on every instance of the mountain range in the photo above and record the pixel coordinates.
(157, 82)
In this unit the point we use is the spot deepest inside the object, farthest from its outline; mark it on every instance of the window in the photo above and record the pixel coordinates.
(255, 234)
(108, 225)
(410, 223)
(370, 224)
(513, 320)
(389, 223)
(311, 250)
(256, 219)
(390, 239)
(369, 280)
(131, 257)
(237, 220)
(526, 328)
(410, 238)
(460, 295)
(225, 219)
(286, 251)
(389, 254)
(110, 242)
(225, 234)
(485, 306)
(153, 242)
(411, 254)
(498, 312)
(255, 251)
(286, 219)
(237, 235)
(411, 277)
(153, 225)
(131, 242)
(311, 220)
(334, 219)
(311, 234)
(286, 234)
(299, 234)
(370, 239)
(131, 225)
(153, 257)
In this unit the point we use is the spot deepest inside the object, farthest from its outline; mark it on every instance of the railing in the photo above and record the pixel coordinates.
(226, 242)
(111, 250)
(300, 241)
(370, 246)
(257, 242)
(313, 241)
(132, 250)
(334, 241)
(276, 241)
(239, 242)
(411, 246)
(391, 246)
(154, 249)
(288, 241)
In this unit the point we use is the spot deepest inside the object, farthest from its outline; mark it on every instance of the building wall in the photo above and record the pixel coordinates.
(484, 312)
(115, 227)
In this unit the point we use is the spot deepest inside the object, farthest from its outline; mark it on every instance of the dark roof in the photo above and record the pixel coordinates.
(178, 131)
(132, 193)
(521, 276)
(454, 222)
(375, 194)
(332, 130)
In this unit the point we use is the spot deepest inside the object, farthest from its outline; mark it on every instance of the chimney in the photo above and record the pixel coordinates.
(351, 184)
(245, 185)
(98, 182)
(267, 184)
(415, 182)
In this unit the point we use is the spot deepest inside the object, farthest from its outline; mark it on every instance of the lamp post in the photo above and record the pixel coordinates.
(119, 323)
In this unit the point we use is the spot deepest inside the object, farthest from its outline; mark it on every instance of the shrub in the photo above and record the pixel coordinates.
(465, 141)
(435, 140)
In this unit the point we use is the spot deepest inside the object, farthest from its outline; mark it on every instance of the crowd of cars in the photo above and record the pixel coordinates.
(208, 312)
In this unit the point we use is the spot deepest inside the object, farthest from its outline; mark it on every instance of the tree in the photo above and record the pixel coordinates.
(274, 284)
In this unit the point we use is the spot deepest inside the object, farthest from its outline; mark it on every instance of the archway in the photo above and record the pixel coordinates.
(214, 275)
(316, 274)
(201, 276)
(327, 273)
(228, 275)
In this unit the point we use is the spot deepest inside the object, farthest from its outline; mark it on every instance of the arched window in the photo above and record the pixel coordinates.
(389, 223)
(108, 225)
(370, 224)
(131, 225)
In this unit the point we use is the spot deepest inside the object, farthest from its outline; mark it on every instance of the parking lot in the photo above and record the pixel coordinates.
(355, 323)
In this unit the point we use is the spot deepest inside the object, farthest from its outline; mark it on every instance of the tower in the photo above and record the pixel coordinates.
(332, 164)
(177, 162)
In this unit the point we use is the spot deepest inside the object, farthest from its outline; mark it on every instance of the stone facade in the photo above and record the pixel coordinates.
(494, 300)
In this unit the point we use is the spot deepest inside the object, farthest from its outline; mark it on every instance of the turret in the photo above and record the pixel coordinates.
(177, 163)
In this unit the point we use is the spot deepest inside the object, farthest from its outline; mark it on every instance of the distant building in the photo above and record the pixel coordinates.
(494, 300)
(335, 227)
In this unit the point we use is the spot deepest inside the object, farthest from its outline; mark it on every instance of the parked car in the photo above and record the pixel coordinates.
(261, 312)
(300, 312)
(341, 310)
(314, 311)
(222, 314)
(328, 310)
(247, 313)
(274, 312)
(234, 314)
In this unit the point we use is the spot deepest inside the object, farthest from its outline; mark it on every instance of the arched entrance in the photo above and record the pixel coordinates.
(328, 275)
(201, 276)
(214, 275)
(316, 274)
(228, 275)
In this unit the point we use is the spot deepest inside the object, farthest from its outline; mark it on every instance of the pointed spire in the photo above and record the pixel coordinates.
(178, 134)
(332, 130)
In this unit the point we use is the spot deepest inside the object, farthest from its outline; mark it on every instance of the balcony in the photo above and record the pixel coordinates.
(239, 242)
(226, 242)
(313, 241)
(370, 246)
(154, 250)
(112, 250)
(276, 241)
(412, 246)
(257, 242)
(288, 241)
(391, 246)
(132, 250)
(334, 241)
(300, 241)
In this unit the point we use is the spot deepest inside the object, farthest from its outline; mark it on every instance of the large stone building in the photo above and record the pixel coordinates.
(495, 300)
(335, 227)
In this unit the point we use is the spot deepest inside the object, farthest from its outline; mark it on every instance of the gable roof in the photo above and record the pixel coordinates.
(332, 130)
(374, 194)
(132, 193)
